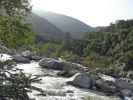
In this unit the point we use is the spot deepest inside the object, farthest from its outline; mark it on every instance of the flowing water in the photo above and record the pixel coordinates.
(55, 87)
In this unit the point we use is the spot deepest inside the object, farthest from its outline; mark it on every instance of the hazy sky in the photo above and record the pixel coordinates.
(92, 12)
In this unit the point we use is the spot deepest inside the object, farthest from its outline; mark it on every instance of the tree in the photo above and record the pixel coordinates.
(15, 7)
(15, 32)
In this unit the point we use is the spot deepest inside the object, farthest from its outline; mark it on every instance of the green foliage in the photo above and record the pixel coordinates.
(110, 45)
(97, 42)
(50, 49)
(69, 56)
(94, 60)
(15, 7)
(14, 32)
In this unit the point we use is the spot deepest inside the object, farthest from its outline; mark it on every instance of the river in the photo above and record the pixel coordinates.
(56, 87)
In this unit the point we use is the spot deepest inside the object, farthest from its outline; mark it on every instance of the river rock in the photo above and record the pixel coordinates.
(35, 57)
(107, 87)
(62, 65)
(81, 80)
(122, 84)
(19, 59)
(127, 93)
(51, 63)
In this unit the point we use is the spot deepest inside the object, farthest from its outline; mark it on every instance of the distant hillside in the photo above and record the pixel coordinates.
(67, 24)
(43, 28)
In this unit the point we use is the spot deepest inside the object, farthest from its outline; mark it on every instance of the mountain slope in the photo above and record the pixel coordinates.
(67, 24)
(43, 28)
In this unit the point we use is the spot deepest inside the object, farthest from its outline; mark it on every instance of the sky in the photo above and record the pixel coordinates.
(92, 12)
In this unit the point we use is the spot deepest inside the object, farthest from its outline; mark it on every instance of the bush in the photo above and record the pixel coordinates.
(14, 84)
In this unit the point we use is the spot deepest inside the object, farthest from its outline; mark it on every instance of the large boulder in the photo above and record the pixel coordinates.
(107, 87)
(127, 93)
(51, 64)
(20, 59)
(82, 80)
(106, 84)
(123, 84)
(61, 65)
(35, 57)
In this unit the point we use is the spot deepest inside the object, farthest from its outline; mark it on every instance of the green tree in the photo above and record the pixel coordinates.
(15, 7)
(15, 32)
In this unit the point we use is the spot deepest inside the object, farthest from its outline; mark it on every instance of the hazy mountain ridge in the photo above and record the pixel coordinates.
(66, 23)
(49, 25)
(43, 28)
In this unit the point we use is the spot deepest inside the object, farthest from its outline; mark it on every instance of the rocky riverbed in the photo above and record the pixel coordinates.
(61, 80)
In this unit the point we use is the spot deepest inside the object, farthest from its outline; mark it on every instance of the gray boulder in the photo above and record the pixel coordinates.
(35, 57)
(19, 59)
(107, 87)
(51, 64)
(82, 80)
(127, 93)
(122, 84)
(61, 65)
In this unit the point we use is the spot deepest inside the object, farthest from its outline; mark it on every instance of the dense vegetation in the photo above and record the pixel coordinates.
(14, 33)
(110, 46)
